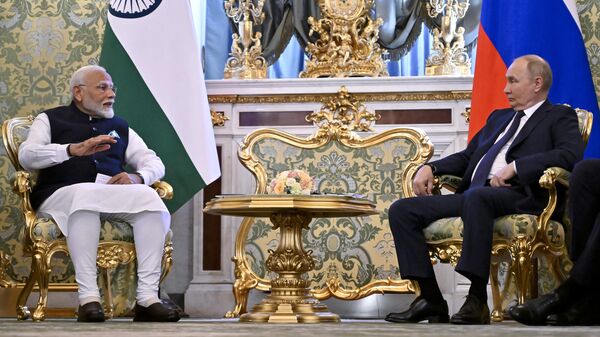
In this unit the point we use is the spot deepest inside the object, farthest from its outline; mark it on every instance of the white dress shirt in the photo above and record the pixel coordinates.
(500, 161)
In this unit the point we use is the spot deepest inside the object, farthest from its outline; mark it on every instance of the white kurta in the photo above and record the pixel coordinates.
(37, 152)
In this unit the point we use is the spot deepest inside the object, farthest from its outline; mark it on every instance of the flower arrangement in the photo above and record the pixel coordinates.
(291, 182)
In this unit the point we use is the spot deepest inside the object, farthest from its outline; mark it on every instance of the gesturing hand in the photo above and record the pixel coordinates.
(423, 181)
(91, 146)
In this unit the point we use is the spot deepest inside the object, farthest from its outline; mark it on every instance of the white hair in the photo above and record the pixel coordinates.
(79, 75)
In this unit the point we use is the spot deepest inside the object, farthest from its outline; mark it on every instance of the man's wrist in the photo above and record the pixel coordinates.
(140, 176)
(69, 151)
(433, 168)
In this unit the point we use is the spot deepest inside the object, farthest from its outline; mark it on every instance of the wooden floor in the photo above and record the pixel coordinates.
(222, 327)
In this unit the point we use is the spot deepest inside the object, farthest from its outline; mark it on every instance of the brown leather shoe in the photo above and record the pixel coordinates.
(90, 312)
(473, 311)
(157, 312)
(421, 310)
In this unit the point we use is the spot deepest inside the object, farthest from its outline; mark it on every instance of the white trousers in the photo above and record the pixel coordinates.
(149, 238)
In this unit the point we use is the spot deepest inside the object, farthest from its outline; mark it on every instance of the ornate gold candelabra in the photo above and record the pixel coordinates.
(347, 44)
(449, 54)
(246, 61)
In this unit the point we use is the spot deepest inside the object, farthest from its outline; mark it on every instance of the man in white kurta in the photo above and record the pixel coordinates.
(81, 151)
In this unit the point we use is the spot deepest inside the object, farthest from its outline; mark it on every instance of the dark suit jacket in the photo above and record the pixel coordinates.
(550, 137)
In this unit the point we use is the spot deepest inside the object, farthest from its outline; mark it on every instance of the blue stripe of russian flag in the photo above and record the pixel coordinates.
(546, 28)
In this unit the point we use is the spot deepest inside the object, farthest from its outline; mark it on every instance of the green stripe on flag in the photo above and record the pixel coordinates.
(138, 106)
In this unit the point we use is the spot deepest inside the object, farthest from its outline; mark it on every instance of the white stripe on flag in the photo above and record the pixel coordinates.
(572, 7)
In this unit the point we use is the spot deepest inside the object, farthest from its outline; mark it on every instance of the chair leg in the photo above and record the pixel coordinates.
(167, 261)
(108, 300)
(41, 272)
(23, 312)
(497, 313)
(521, 266)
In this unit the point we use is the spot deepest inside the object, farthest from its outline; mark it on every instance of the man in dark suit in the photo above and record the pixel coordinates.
(575, 301)
(500, 169)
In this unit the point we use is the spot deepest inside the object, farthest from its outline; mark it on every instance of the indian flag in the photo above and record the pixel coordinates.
(152, 53)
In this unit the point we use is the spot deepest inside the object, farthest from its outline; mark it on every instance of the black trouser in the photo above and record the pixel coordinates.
(478, 207)
(584, 210)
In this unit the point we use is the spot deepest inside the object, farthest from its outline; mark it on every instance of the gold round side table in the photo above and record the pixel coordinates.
(290, 300)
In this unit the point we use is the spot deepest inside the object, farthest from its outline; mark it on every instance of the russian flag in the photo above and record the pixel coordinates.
(549, 28)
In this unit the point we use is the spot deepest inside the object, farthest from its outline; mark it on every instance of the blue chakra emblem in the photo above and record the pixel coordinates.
(131, 9)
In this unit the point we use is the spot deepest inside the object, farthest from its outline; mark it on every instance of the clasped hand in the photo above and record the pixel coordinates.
(423, 181)
(125, 178)
(500, 178)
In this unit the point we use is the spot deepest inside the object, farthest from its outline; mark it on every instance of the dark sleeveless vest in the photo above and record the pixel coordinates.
(70, 125)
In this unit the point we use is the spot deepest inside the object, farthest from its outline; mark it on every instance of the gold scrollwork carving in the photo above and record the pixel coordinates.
(244, 281)
(446, 253)
(111, 255)
(4, 264)
(347, 43)
(467, 115)
(341, 117)
(218, 117)
(164, 189)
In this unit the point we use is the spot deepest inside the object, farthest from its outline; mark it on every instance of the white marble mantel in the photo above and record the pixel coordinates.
(332, 85)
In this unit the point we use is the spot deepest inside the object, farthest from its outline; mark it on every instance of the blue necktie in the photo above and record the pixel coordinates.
(483, 170)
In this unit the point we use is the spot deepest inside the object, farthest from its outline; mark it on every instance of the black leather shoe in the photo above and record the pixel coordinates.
(157, 312)
(473, 311)
(90, 312)
(420, 310)
(535, 311)
(582, 313)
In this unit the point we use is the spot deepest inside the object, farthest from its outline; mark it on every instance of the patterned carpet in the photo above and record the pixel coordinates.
(222, 328)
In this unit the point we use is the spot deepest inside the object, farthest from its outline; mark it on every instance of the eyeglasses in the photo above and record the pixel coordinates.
(101, 87)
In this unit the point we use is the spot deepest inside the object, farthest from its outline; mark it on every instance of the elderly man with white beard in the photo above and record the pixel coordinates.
(81, 151)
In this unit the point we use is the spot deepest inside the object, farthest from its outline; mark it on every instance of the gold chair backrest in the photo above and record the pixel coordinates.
(354, 257)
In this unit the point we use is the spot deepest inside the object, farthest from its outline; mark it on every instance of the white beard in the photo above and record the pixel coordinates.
(106, 113)
(99, 110)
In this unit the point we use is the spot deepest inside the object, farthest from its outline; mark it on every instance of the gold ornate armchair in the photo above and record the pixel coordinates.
(519, 239)
(354, 257)
(41, 240)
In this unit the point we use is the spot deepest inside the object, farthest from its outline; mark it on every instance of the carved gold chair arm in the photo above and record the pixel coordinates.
(554, 175)
(549, 180)
(164, 190)
(22, 183)
(446, 181)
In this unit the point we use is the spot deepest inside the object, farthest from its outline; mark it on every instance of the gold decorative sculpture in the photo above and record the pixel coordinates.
(347, 44)
(449, 54)
(218, 117)
(246, 61)
(341, 117)
(467, 115)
